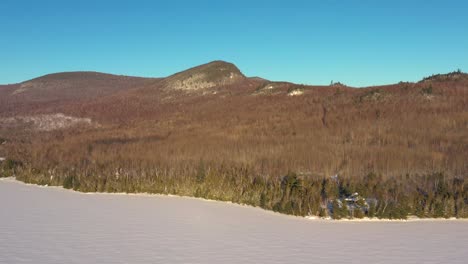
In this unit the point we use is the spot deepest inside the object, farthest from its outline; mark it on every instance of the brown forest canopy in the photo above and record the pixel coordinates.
(215, 116)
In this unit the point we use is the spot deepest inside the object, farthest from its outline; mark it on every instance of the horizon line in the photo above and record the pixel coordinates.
(247, 76)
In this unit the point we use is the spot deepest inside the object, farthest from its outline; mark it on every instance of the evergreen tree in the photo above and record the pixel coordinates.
(201, 173)
(344, 210)
(358, 213)
(322, 212)
(263, 200)
(439, 208)
(336, 210)
(371, 211)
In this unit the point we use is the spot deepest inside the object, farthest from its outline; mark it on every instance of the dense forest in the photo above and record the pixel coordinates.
(433, 195)
(295, 149)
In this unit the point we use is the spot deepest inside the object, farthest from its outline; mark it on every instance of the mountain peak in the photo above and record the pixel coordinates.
(212, 74)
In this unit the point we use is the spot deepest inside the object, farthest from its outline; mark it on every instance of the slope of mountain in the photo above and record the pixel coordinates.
(63, 88)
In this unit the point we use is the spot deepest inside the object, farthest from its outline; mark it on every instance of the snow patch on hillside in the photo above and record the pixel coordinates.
(46, 122)
(194, 82)
(201, 81)
(296, 92)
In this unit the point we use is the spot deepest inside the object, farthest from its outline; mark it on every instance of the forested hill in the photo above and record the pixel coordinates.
(212, 132)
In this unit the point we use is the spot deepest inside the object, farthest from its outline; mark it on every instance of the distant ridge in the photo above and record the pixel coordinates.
(451, 76)
(72, 86)
(207, 75)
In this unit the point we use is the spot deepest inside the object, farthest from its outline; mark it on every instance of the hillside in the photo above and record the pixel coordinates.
(56, 89)
(212, 132)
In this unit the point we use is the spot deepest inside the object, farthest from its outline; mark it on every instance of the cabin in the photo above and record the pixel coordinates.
(353, 202)
(353, 198)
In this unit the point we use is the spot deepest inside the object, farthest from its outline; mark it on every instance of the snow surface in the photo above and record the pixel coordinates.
(296, 92)
(45, 122)
(53, 225)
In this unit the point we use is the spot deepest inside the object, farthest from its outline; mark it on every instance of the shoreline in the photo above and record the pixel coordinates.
(307, 218)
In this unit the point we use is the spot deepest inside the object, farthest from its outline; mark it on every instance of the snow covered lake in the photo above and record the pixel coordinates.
(51, 225)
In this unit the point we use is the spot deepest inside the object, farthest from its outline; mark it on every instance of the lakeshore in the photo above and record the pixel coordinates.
(309, 218)
(53, 225)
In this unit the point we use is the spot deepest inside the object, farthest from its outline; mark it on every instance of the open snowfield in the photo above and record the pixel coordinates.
(53, 225)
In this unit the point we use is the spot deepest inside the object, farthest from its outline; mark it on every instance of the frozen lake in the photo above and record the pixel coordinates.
(51, 225)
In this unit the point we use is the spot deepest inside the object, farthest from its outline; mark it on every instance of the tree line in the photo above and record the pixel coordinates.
(433, 195)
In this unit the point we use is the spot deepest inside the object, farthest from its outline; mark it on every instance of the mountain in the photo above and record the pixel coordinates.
(213, 74)
(56, 89)
(212, 132)
(73, 86)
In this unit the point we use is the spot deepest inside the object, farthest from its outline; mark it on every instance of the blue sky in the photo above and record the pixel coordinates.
(313, 42)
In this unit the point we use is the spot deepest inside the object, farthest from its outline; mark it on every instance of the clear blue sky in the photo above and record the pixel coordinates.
(355, 42)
